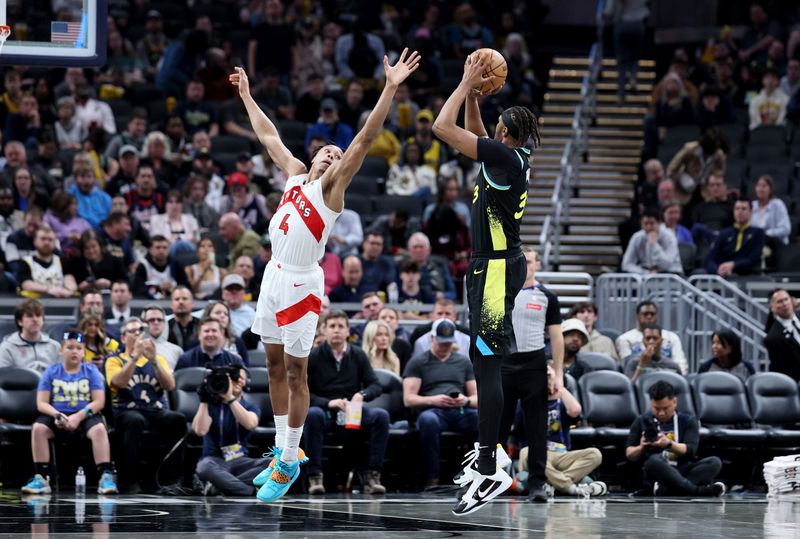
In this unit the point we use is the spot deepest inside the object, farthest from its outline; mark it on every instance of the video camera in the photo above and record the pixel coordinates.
(217, 381)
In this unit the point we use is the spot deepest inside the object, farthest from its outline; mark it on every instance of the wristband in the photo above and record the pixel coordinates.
(231, 401)
(88, 411)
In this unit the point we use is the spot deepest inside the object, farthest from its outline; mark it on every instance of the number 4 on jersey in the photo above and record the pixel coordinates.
(284, 224)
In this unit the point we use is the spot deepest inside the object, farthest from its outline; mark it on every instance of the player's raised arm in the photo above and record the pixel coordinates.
(338, 178)
(265, 129)
(463, 140)
(472, 114)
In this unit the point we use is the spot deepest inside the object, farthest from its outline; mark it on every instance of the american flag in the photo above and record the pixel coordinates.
(65, 32)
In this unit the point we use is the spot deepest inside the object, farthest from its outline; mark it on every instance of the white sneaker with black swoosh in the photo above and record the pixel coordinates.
(465, 474)
(481, 490)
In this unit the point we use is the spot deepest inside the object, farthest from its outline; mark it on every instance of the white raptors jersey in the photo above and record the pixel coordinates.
(301, 226)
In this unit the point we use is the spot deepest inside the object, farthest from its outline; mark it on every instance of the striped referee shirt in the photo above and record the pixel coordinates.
(535, 308)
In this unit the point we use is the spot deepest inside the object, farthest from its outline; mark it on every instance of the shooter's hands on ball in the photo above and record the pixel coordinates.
(404, 67)
(239, 79)
(473, 73)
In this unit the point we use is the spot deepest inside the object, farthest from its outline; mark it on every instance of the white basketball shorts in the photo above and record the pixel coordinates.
(288, 306)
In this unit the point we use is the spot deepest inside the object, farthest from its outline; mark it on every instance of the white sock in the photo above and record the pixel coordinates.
(281, 422)
(289, 453)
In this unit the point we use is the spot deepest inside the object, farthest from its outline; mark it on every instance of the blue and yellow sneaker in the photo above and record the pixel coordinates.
(107, 484)
(37, 485)
(275, 455)
(279, 482)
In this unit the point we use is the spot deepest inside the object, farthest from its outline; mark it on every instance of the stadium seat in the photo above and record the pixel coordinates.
(735, 133)
(767, 141)
(226, 161)
(788, 258)
(258, 358)
(609, 405)
(184, 397)
(598, 361)
(682, 390)
(258, 395)
(391, 399)
(612, 334)
(688, 254)
(364, 185)
(679, 135)
(780, 168)
(230, 144)
(390, 203)
(141, 95)
(775, 403)
(581, 436)
(121, 108)
(375, 167)
(722, 406)
(17, 399)
(735, 171)
(292, 130)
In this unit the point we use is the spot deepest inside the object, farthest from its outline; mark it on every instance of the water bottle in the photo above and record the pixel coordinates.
(340, 417)
(393, 293)
(80, 482)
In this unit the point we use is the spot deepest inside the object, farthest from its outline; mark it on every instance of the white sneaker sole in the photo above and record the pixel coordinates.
(505, 484)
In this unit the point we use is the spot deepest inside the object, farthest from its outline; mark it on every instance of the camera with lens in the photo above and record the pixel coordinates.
(651, 430)
(217, 381)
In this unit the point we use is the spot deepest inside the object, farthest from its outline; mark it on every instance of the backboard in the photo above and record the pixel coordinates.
(58, 33)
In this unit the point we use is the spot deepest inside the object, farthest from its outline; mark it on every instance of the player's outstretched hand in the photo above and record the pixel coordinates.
(404, 67)
(239, 79)
(473, 72)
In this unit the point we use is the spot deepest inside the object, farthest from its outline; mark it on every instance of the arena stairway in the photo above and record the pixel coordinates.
(590, 242)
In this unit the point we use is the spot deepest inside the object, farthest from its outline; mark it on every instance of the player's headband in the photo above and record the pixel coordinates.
(513, 130)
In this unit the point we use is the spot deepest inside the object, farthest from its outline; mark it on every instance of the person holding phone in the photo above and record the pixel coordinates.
(666, 441)
(441, 383)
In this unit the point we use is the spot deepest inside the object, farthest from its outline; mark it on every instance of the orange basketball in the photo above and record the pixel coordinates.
(496, 68)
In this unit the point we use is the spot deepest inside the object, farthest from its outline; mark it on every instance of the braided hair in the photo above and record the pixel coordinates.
(522, 125)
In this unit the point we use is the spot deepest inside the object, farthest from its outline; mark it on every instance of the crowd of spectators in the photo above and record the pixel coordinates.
(721, 128)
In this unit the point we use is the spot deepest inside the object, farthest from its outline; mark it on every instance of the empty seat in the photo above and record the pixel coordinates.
(612, 334)
(775, 403)
(609, 405)
(141, 95)
(226, 161)
(258, 357)
(721, 405)
(364, 185)
(230, 144)
(18, 399)
(376, 167)
(389, 203)
(292, 130)
(766, 141)
(581, 436)
(391, 397)
(361, 204)
(598, 361)
(258, 395)
(735, 171)
(682, 390)
(735, 133)
(680, 134)
(185, 399)
(688, 254)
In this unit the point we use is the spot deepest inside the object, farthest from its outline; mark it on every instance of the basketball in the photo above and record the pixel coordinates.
(496, 68)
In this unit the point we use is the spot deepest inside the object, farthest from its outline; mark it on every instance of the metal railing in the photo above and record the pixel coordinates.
(687, 310)
(733, 295)
(577, 145)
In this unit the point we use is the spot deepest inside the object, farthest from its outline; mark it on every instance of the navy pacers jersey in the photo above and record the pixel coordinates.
(501, 191)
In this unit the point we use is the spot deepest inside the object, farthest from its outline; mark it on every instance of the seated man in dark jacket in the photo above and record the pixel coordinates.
(737, 249)
(665, 442)
(340, 375)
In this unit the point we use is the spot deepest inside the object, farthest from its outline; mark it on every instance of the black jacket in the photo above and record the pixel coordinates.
(784, 351)
(326, 383)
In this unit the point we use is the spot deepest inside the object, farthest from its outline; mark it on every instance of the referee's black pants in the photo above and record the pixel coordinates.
(525, 379)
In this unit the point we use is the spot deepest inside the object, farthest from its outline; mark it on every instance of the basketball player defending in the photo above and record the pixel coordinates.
(292, 287)
(497, 267)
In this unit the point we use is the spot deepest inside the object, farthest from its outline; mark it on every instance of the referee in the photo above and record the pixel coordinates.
(536, 309)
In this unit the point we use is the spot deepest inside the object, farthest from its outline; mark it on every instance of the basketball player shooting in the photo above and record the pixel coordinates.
(293, 284)
(497, 267)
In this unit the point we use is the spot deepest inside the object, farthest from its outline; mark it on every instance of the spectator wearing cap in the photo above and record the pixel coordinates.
(575, 338)
(260, 183)
(434, 152)
(153, 43)
(94, 204)
(276, 98)
(70, 133)
(180, 229)
(441, 384)
(197, 114)
(242, 241)
(329, 127)
(133, 135)
(125, 178)
(442, 309)
(242, 314)
(249, 206)
(246, 268)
